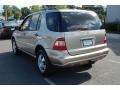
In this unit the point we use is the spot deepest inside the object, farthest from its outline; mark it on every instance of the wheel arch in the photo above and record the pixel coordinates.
(12, 38)
(39, 47)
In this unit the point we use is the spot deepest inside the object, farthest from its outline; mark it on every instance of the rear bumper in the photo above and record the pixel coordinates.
(64, 59)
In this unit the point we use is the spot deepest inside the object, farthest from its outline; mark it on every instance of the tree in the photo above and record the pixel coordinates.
(25, 11)
(71, 6)
(7, 11)
(35, 8)
(61, 6)
(17, 13)
(14, 8)
(54, 6)
(96, 8)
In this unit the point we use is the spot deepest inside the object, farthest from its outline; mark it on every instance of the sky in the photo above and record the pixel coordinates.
(20, 6)
(0, 7)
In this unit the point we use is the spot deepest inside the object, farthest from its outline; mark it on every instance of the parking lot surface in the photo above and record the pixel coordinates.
(22, 69)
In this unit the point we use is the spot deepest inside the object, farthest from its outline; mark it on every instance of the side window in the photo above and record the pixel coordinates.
(34, 21)
(25, 25)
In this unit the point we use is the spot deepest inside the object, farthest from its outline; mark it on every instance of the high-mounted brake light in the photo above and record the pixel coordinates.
(59, 44)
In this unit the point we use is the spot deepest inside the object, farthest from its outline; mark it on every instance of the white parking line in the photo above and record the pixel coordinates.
(115, 61)
(49, 81)
(104, 74)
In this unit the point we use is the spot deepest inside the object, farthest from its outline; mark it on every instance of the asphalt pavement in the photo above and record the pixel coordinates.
(22, 69)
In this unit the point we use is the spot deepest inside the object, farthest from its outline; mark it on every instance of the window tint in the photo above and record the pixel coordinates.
(72, 21)
(25, 25)
(34, 21)
(52, 21)
(80, 21)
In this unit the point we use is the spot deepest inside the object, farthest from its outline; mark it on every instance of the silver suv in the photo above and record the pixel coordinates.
(61, 38)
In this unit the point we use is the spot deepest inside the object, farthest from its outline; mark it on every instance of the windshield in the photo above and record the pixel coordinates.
(11, 23)
(72, 21)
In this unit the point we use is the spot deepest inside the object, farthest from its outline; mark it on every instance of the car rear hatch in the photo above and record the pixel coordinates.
(83, 33)
(81, 28)
(81, 42)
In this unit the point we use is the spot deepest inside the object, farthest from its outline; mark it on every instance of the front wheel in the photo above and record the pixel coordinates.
(44, 64)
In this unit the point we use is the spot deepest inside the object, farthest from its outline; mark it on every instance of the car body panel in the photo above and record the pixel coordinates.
(75, 53)
(64, 59)
(74, 41)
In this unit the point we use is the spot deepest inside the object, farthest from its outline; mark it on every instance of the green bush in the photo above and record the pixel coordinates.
(114, 27)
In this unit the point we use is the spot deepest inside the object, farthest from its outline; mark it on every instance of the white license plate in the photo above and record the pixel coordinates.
(12, 28)
(87, 42)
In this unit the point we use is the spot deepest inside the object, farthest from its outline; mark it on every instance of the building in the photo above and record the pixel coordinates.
(113, 13)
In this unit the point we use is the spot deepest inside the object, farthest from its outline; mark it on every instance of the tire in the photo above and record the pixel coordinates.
(15, 49)
(44, 65)
(89, 65)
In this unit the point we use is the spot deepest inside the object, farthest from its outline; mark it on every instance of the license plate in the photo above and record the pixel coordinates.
(87, 42)
(12, 28)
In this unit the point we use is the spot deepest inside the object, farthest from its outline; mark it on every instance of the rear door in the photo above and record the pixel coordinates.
(20, 34)
(31, 34)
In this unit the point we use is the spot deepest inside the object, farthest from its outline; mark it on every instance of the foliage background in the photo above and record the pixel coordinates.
(15, 12)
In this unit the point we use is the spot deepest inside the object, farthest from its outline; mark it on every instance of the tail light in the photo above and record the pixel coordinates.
(60, 44)
(105, 38)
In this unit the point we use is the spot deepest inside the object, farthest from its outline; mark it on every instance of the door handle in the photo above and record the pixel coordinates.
(37, 36)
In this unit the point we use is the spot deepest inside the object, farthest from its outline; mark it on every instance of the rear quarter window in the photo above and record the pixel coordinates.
(52, 21)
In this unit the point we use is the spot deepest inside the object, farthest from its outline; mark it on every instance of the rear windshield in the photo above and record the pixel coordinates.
(72, 21)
